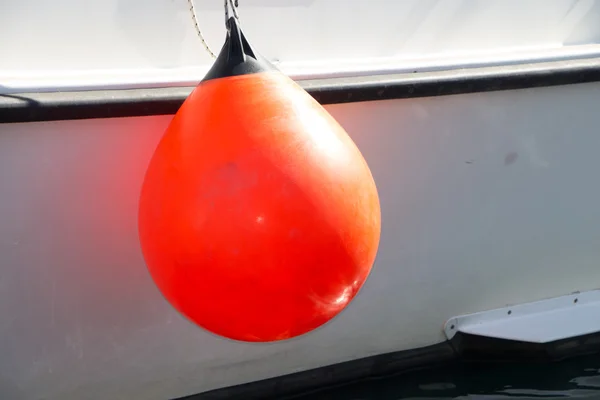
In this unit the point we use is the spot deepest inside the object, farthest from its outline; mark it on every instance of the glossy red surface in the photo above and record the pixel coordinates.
(259, 219)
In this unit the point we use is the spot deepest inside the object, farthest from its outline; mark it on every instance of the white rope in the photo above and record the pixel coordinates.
(234, 5)
(195, 20)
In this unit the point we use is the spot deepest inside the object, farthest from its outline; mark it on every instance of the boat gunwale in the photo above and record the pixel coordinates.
(118, 103)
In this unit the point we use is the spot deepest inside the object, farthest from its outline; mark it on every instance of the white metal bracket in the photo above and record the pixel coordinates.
(542, 321)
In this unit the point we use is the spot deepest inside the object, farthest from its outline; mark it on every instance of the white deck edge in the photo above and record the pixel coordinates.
(84, 80)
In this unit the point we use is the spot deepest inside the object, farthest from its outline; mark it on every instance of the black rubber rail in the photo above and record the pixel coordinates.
(52, 106)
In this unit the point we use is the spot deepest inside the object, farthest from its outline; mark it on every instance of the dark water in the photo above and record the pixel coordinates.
(571, 379)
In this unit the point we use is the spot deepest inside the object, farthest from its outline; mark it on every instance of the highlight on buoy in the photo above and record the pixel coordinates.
(259, 219)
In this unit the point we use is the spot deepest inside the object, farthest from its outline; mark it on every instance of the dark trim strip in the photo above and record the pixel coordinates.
(332, 375)
(30, 107)
(463, 348)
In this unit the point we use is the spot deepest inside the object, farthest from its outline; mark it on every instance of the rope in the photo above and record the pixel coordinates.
(233, 4)
(198, 31)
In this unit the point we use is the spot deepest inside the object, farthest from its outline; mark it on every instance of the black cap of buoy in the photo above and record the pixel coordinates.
(237, 57)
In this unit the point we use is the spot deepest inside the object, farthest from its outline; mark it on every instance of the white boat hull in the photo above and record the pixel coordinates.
(488, 199)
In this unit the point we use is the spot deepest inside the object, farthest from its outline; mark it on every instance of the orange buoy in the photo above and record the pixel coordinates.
(259, 219)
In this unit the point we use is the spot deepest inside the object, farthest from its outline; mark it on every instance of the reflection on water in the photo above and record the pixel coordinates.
(576, 378)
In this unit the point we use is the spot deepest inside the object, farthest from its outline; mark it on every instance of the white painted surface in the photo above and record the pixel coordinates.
(543, 321)
(487, 200)
(79, 44)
